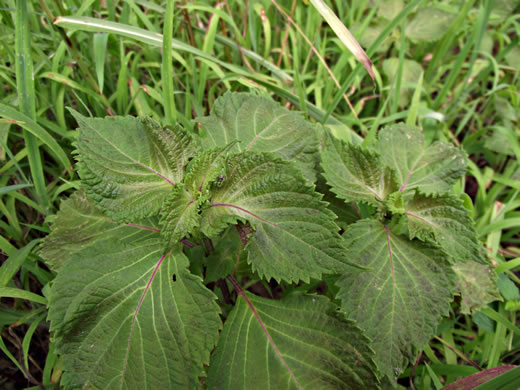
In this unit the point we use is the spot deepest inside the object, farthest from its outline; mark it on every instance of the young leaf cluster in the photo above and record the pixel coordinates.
(165, 214)
(418, 230)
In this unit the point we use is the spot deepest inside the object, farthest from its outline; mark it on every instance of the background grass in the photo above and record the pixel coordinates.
(458, 80)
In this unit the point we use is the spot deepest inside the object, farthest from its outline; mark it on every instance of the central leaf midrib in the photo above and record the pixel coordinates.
(257, 136)
(274, 225)
(130, 158)
(360, 183)
(412, 169)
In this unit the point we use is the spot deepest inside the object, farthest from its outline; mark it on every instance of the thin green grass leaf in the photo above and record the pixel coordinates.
(14, 262)
(100, 51)
(14, 187)
(33, 128)
(436, 381)
(10, 292)
(500, 319)
(59, 78)
(509, 265)
(27, 96)
(5, 350)
(28, 337)
(50, 362)
(166, 66)
(413, 111)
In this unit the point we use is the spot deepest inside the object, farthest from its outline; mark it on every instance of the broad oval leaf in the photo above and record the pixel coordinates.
(445, 220)
(261, 125)
(429, 24)
(79, 224)
(355, 173)
(401, 301)
(295, 235)
(299, 342)
(127, 316)
(128, 165)
(432, 169)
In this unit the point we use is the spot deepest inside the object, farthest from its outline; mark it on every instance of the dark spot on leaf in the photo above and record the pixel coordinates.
(174, 277)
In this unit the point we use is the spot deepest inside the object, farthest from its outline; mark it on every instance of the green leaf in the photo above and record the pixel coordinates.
(429, 24)
(477, 285)
(79, 224)
(261, 125)
(10, 292)
(295, 235)
(355, 173)
(411, 74)
(32, 127)
(180, 214)
(129, 165)
(433, 169)
(399, 303)
(299, 342)
(445, 220)
(100, 50)
(128, 316)
(389, 9)
(206, 167)
(11, 266)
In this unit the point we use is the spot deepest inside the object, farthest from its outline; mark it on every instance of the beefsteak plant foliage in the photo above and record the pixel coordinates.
(164, 213)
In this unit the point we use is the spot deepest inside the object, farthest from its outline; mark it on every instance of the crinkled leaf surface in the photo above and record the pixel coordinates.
(400, 302)
(477, 285)
(295, 235)
(126, 316)
(429, 24)
(299, 342)
(79, 224)
(433, 169)
(444, 219)
(179, 215)
(261, 125)
(128, 165)
(180, 211)
(205, 168)
(355, 173)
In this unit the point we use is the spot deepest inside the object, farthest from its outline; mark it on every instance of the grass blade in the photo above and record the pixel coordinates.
(14, 187)
(154, 39)
(27, 97)
(100, 51)
(344, 35)
(14, 262)
(9, 292)
(166, 69)
(5, 350)
(36, 131)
